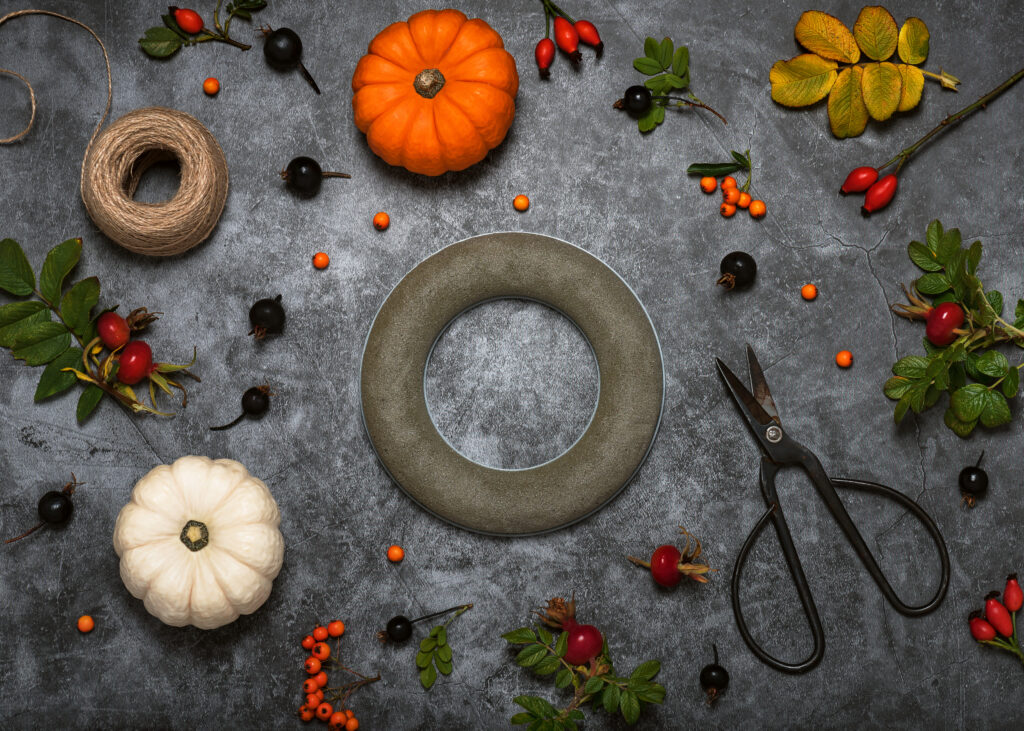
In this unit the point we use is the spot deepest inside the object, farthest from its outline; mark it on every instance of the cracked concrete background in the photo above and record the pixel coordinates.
(593, 181)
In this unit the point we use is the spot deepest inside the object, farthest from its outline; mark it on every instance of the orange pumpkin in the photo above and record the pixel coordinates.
(436, 92)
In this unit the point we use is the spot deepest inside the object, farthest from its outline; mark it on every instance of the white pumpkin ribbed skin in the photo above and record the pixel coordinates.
(210, 587)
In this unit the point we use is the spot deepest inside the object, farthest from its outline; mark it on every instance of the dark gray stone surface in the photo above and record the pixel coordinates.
(597, 183)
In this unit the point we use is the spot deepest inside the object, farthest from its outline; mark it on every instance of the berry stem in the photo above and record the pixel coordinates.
(458, 610)
(548, 5)
(695, 102)
(547, 21)
(951, 119)
(308, 77)
(639, 561)
(228, 426)
(68, 489)
(335, 175)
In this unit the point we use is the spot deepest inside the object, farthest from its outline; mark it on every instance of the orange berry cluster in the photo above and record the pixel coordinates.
(733, 197)
(316, 706)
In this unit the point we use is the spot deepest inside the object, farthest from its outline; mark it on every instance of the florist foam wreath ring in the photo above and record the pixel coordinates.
(115, 160)
(521, 266)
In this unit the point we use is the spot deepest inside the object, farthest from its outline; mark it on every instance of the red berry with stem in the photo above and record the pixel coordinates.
(544, 53)
(997, 615)
(664, 566)
(188, 20)
(308, 642)
(879, 195)
(135, 363)
(942, 321)
(113, 330)
(981, 630)
(1013, 597)
(587, 32)
(585, 643)
(567, 38)
(859, 180)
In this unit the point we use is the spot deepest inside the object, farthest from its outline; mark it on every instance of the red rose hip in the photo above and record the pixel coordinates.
(544, 54)
(587, 32)
(568, 39)
(941, 323)
(879, 195)
(188, 20)
(859, 180)
(113, 330)
(664, 563)
(135, 363)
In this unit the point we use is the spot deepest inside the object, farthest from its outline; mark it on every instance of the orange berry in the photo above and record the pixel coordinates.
(336, 628)
(728, 182)
(319, 695)
(708, 184)
(844, 359)
(808, 292)
(352, 724)
(350, 713)
(312, 701)
(320, 633)
(85, 623)
(324, 711)
(520, 203)
(381, 221)
(309, 685)
(321, 260)
(211, 86)
(395, 554)
(758, 209)
(320, 678)
(727, 210)
(731, 195)
(312, 665)
(321, 651)
(307, 714)
(337, 721)
(308, 642)
(744, 200)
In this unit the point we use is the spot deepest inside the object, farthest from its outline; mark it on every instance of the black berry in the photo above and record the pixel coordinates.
(303, 175)
(637, 99)
(267, 316)
(282, 48)
(973, 482)
(399, 629)
(738, 270)
(714, 679)
(55, 507)
(256, 400)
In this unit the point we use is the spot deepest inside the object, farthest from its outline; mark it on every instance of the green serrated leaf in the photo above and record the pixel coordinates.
(1011, 383)
(923, 257)
(960, 428)
(544, 635)
(995, 299)
(654, 694)
(901, 408)
(87, 402)
(537, 706)
(968, 402)
(610, 698)
(564, 678)
(160, 42)
(647, 66)
(629, 704)
(16, 274)
(55, 379)
(593, 685)
(520, 636)
(547, 666)
(992, 363)
(521, 718)
(646, 670)
(238, 13)
(912, 366)
(531, 655)
(41, 343)
(974, 257)
(896, 387)
(18, 317)
(681, 61)
(996, 411)
(59, 262)
(934, 283)
(77, 303)
(562, 645)
(428, 676)
(933, 235)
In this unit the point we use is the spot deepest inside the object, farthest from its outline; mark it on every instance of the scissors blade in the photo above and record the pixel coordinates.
(762, 395)
(749, 405)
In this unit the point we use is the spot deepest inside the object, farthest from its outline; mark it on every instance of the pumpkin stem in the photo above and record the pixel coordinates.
(428, 82)
(195, 535)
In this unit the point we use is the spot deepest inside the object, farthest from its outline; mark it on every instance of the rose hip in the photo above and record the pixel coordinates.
(859, 180)
(135, 363)
(997, 615)
(113, 330)
(544, 53)
(567, 38)
(587, 32)
(879, 195)
(1013, 597)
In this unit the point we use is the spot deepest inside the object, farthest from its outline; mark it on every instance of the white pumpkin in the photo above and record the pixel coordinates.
(199, 542)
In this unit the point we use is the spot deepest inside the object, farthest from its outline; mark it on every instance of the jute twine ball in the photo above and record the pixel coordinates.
(119, 156)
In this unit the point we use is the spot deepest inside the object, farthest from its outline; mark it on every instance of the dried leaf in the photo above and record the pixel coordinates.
(802, 80)
(876, 32)
(826, 36)
(847, 115)
(882, 87)
(913, 41)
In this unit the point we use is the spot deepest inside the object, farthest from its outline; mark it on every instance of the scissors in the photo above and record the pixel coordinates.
(780, 450)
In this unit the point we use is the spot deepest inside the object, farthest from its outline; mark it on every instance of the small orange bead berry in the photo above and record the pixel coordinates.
(352, 724)
(320, 633)
(727, 210)
(520, 203)
(319, 695)
(320, 678)
(844, 359)
(85, 623)
(309, 685)
(395, 554)
(336, 628)
(211, 86)
(312, 701)
(308, 642)
(321, 260)
(731, 195)
(307, 714)
(728, 182)
(337, 721)
(708, 184)
(744, 201)
(312, 665)
(321, 651)
(350, 713)
(381, 221)
(324, 711)
(758, 209)
(808, 292)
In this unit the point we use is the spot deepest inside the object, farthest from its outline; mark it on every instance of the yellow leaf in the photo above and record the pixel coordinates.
(847, 114)
(913, 85)
(876, 33)
(826, 36)
(913, 41)
(802, 80)
(882, 85)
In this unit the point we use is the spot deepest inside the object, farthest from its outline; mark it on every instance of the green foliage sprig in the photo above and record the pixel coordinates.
(740, 161)
(594, 683)
(435, 655)
(978, 379)
(165, 40)
(28, 329)
(669, 69)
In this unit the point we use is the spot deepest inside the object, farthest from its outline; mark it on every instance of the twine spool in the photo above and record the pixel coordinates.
(124, 151)
(115, 160)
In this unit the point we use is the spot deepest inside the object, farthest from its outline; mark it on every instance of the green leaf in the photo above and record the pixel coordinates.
(974, 257)
(427, 676)
(18, 317)
(441, 634)
(41, 343)
(681, 61)
(160, 42)
(741, 160)
(171, 23)
(427, 644)
(960, 428)
(912, 366)
(536, 706)
(444, 653)
(521, 718)
(647, 66)
(713, 169)
(630, 706)
(16, 274)
(1011, 383)
(665, 51)
(77, 303)
(968, 402)
(646, 671)
(59, 261)
(948, 245)
(896, 387)
(934, 235)
(245, 14)
(88, 401)
(995, 411)
(993, 363)
(651, 49)
(544, 635)
(531, 655)
(675, 82)
(593, 685)
(562, 645)
(547, 666)
(654, 694)
(651, 119)
(564, 678)
(610, 698)
(901, 408)
(923, 257)
(54, 379)
(995, 299)
(423, 659)
(445, 668)
(934, 283)
(957, 376)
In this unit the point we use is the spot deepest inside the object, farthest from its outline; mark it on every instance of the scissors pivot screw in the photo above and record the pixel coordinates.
(773, 434)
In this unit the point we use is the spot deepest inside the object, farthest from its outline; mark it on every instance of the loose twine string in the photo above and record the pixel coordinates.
(115, 160)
